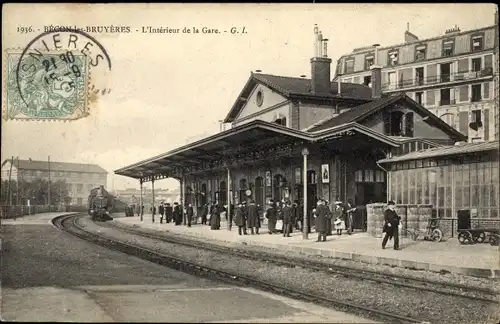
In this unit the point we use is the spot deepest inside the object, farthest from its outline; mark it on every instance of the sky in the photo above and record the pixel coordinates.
(170, 89)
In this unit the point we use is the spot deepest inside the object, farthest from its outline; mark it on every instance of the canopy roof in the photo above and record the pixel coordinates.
(459, 149)
(253, 137)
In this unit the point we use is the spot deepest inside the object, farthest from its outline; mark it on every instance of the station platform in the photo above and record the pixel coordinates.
(479, 260)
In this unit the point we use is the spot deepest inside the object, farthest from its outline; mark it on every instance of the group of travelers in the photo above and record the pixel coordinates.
(169, 213)
(282, 217)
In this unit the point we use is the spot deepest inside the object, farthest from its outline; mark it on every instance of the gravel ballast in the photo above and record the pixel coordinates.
(450, 278)
(432, 307)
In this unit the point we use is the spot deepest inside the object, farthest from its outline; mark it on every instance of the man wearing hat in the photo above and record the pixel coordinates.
(287, 219)
(391, 229)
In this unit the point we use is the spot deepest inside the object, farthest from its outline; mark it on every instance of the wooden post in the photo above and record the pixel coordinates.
(183, 199)
(228, 211)
(8, 196)
(141, 202)
(153, 206)
(305, 227)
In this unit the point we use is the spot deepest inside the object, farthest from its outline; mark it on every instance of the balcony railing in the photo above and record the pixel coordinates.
(432, 80)
(445, 102)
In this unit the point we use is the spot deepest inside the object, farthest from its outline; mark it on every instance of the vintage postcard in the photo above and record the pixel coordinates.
(288, 163)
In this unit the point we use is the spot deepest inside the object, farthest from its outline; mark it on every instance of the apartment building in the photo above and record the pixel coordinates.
(452, 75)
(80, 178)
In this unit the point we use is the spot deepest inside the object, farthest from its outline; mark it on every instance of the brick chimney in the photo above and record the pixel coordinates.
(376, 76)
(320, 65)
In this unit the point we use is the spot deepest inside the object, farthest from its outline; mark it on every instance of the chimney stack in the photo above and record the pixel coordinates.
(376, 76)
(320, 65)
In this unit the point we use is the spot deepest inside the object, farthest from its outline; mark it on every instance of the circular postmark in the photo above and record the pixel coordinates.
(49, 79)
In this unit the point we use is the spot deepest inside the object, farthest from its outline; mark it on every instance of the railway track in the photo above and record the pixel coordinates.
(458, 290)
(68, 224)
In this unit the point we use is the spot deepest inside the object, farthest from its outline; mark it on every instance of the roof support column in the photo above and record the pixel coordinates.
(229, 189)
(305, 227)
(153, 206)
(183, 198)
(141, 203)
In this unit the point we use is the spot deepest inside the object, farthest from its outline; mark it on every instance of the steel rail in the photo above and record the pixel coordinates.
(420, 284)
(232, 278)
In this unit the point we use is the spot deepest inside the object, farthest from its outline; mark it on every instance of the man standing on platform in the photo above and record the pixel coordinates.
(204, 214)
(189, 214)
(287, 219)
(177, 214)
(271, 217)
(168, 213)
(253, 221)
(161, 210)
(391, 229)
(239, 219)
(322, 215)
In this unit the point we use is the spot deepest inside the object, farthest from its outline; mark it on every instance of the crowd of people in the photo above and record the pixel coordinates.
(283, 217)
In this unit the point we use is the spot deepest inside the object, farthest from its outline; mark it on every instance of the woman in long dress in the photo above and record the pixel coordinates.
(215, 218)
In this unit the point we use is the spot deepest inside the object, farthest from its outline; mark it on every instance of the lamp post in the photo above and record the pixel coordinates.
(305, 227)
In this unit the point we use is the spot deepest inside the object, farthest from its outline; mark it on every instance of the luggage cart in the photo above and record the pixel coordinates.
(432, 232)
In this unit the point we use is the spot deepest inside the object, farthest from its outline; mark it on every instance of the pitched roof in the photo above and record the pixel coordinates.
(357, 114)
(291, 85)
(296, 87)
(354, 114)
(459, 149)
(56, 166)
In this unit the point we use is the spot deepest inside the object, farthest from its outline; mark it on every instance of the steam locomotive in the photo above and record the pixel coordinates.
(100, 204)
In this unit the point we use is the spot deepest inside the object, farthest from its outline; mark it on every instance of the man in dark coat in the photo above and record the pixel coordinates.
(189, 214)
(204, 214)
(253, 221)
(322, 217)
(161, 210)
(391, 229)
(271, 217)
(215, 218)
(168, 213)
(329, 226)
(287, 219)
(239, 220)
(177, 214)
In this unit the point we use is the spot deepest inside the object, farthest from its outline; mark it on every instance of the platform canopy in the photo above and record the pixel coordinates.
(256, 140)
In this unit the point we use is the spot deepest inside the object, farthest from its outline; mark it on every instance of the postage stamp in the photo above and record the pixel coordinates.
(50, 78)
(54, 89)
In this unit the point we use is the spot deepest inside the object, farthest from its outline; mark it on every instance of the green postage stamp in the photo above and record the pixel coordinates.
(43, 86)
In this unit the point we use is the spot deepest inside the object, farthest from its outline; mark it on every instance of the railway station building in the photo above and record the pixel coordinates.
(302, 139)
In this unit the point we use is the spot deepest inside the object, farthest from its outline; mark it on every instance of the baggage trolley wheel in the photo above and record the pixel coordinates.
(464, 238)
(479, 237)
(495, 240)
(437, 235)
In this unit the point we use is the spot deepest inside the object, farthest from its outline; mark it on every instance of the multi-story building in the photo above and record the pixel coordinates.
(452, 75)
(80, 178)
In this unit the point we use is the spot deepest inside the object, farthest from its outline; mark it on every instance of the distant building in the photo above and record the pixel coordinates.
(81, 178)
(132, 196)
(452, 75)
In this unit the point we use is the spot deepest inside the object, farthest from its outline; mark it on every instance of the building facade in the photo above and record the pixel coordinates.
(452, 75)
(80, 178)
(301, 139)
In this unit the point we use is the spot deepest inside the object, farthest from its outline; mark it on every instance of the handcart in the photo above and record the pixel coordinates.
(469, 235)
(478, 235)
(432, 232)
